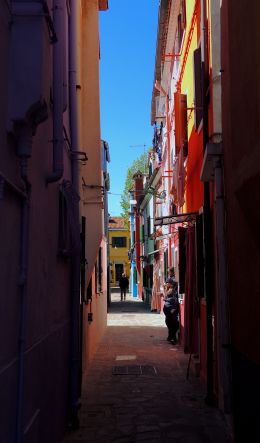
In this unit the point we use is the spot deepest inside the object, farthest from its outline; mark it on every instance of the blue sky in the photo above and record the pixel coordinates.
(127, 44)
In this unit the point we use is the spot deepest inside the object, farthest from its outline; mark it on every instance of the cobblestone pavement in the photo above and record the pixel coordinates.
(136, 389)
(132, 312)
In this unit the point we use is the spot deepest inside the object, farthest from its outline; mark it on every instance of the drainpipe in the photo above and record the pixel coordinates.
(75, 276)
(24, 145)
(24, 196)
(209, 276)
(58, 94)
(223, 303)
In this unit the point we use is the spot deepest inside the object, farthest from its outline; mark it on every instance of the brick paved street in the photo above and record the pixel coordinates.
(136, 389)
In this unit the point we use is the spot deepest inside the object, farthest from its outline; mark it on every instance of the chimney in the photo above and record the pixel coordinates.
(138, 185)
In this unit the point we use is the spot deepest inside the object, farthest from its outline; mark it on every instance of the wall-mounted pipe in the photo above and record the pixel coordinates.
(58, 93)
(209, 276)
(75, 276)
(24, 197)
(224, 355)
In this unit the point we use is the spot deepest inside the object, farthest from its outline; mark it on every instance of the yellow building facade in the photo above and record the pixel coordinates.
(119, 245)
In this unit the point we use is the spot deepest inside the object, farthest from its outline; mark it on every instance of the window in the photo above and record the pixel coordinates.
(181, 24)
(99, 272)
(118, 242)
(198, 98)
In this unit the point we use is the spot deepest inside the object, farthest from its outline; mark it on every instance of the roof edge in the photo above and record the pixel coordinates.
(163, 21)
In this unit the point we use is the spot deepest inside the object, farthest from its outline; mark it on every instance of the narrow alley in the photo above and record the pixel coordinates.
(129, 161)
(137, 390)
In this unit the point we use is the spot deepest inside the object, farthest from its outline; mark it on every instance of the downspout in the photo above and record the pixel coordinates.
(207, 216)
(24, 145)
(75, 269)
(224, 363)
(159, 88)
(24, 195)
(58, 93)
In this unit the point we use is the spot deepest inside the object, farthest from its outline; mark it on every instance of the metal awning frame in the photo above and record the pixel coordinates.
(174, 219)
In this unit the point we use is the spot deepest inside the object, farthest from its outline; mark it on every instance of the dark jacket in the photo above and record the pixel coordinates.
(123, 282)
(171, 306)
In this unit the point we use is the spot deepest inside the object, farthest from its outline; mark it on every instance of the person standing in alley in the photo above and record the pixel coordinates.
(171, 309)
(171, 273)
(123, 284)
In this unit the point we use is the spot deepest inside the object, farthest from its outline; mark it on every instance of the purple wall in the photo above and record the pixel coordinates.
(47, 325)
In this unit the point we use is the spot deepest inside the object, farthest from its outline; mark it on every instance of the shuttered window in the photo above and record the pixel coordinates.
(181, 124)
(199, 256)
(181, 24)
(98, 272)
(197, 87)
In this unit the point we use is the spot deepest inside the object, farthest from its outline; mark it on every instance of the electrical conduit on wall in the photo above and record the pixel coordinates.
(74, 24)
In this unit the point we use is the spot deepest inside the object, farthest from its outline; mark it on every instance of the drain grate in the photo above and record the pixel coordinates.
(135, 370)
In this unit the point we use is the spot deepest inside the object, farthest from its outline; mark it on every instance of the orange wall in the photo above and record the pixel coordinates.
(91, 172)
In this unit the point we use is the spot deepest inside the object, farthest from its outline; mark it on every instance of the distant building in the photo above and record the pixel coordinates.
(119, 244)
